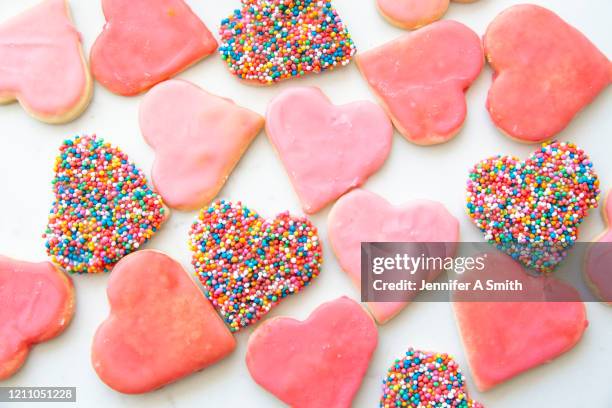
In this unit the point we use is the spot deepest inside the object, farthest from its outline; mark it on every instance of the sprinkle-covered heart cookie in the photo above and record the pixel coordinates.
(532, 209)
(546, 71)
(267, 41)
(36, 304)
(248, 264)
(424, 379)
(103, 207)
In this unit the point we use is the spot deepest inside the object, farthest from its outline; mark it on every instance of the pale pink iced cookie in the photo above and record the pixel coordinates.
(316, 363)
(598, 262)
(36, 304)
(362, 216)
(147, 41)
(42, 63)
(421, 78)
(327, 149)
(503, 339)
(198, 139)
(160, 328)
(546, 71)
(411, 14)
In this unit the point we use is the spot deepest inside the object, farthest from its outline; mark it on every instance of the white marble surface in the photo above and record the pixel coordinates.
(28, 148)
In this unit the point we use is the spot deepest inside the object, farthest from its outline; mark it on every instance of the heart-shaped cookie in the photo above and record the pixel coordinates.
(411, 14)
(248, 264)
(504, 339)
(36, 304)
(532, 209)
(198, 139)
(103, 207)
(265, 41)
(425, 379)
(42, 63)
(160, 328)
(316, 363)
(421, 79)
(546, 71)
(598, 262)
(327, 149)
(361, 216)
(147, 41)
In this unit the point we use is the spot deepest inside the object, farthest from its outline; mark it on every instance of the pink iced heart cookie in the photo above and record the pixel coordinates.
(42, 63)
(160, 328)
(425, 379)
(198, 139)
(504, 339)
(327, 149)
(411, 14)
(361, 216)
(421, 78)
(147, 41)
(316, 363)
(531, 209)
(546, 71)
(36, 304)
(598, 263)
(248, 264)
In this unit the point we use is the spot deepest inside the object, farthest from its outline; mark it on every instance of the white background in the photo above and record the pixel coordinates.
(581, 377)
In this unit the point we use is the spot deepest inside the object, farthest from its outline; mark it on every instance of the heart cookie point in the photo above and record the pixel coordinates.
(316, 363)
(160, 328)
(326, 149)
(36, 304)
(147, 41)
(248, 264)
(103, 207)
(532, 209)
(412, 14)
(421, 79)
(43, 64)
(546, 71)
(362, 216)
(265, 42)
(426, 379)
(504, 339)
(198, 138)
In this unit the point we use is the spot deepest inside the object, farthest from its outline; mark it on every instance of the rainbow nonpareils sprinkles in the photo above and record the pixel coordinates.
(103, 207)
(267, 41)
(531, 210)
(248, 264)
(425, 380)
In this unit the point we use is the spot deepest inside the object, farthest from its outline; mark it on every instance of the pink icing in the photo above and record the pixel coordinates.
(41, 63)
(160, 328)
(147, 41)
(421, 78)
(317, 363)
(546, 71)
(362, 216)
(327, 149)
(412, 13)
(198, 139)
(36, 304)
(504, 339)
(598, 267)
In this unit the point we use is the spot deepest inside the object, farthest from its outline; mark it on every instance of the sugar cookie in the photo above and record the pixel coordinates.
(411, 14)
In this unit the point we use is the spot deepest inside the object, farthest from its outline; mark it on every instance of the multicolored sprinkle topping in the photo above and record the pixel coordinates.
(425, 380)
(531, 210)
(248, 264)
(268, 41)
(103, 207)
